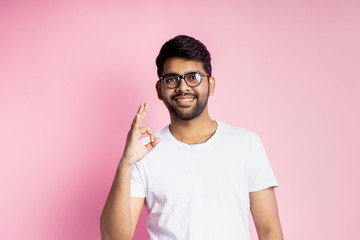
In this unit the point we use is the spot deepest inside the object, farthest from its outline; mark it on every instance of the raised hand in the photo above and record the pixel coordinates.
(135, 150)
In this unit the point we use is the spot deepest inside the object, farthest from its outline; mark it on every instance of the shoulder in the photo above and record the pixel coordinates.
(237, 132)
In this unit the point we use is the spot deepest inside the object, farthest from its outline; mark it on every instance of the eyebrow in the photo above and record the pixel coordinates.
(181, 74)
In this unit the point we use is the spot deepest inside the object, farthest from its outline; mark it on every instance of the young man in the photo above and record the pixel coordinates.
(199, 178)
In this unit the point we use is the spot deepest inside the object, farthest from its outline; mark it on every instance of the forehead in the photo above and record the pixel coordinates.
(182, 66)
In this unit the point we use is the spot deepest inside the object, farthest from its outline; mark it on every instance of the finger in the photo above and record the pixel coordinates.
(143, 113)
(135, 123)
(140, 108)
(149, 131)
(136, 116)
(150, 146)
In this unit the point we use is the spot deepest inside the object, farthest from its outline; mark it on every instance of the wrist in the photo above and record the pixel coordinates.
(126, 163)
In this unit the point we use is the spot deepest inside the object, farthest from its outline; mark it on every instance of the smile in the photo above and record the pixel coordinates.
(184, 99)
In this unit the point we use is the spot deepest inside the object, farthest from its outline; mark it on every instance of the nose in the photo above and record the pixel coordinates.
(182, 87)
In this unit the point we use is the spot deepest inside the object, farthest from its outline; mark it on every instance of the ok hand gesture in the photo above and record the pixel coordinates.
(135, 150)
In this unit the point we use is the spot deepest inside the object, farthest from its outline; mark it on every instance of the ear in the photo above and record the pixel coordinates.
(158, 89)
(212, 85)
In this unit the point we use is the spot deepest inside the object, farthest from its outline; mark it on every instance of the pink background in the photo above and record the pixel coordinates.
(72, 75)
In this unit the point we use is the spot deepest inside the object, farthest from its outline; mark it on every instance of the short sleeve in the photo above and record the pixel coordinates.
(137, 185)
(261, 174)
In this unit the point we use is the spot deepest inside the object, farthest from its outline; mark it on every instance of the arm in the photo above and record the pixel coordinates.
(121, 212)
(264, 211)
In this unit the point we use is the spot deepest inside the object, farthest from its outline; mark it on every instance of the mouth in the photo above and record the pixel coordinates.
(184, 100)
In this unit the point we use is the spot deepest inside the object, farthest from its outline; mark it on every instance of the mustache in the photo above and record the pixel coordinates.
(185, 94)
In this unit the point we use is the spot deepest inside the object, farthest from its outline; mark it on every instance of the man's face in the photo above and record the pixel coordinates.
(184, 102)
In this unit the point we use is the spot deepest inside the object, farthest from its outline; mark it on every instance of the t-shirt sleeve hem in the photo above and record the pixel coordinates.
(262, 187)
(136, 194)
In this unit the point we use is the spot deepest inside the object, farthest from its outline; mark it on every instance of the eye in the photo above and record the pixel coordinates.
(193, 77)
(170, 79)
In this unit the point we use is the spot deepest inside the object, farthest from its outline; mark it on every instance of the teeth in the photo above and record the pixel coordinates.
(185, 100)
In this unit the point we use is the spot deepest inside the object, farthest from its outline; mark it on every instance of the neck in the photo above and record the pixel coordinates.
(195, 131)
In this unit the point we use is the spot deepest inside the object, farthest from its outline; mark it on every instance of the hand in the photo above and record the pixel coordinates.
(135, 150)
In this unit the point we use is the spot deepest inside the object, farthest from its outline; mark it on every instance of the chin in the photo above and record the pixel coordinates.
(186, 116)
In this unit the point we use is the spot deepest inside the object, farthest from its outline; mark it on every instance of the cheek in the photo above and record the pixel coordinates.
(164, 92)
(205, 89)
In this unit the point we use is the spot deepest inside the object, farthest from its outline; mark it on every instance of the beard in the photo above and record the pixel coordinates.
(194, 111)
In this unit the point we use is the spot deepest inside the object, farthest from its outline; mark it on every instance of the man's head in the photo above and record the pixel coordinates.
(186, 47)
(185, 81)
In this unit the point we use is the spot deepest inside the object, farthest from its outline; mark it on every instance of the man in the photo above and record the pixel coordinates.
(199, 178)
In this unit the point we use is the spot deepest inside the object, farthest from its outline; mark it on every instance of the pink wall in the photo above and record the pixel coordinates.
(73, 74)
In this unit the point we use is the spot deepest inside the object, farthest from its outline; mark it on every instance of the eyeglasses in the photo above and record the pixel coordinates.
(192, 79)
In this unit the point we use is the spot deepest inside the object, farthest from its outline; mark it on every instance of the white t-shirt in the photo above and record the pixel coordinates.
(201, 191)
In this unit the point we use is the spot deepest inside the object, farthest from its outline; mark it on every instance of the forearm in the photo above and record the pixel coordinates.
(115, 220)
(271, 235)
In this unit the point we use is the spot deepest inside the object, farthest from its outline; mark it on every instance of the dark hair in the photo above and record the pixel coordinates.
(186, 47)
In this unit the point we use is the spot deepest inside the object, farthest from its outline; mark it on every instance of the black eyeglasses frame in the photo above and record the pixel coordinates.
(179, 77)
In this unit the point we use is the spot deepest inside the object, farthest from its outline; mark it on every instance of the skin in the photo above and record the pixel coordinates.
(121, 212)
